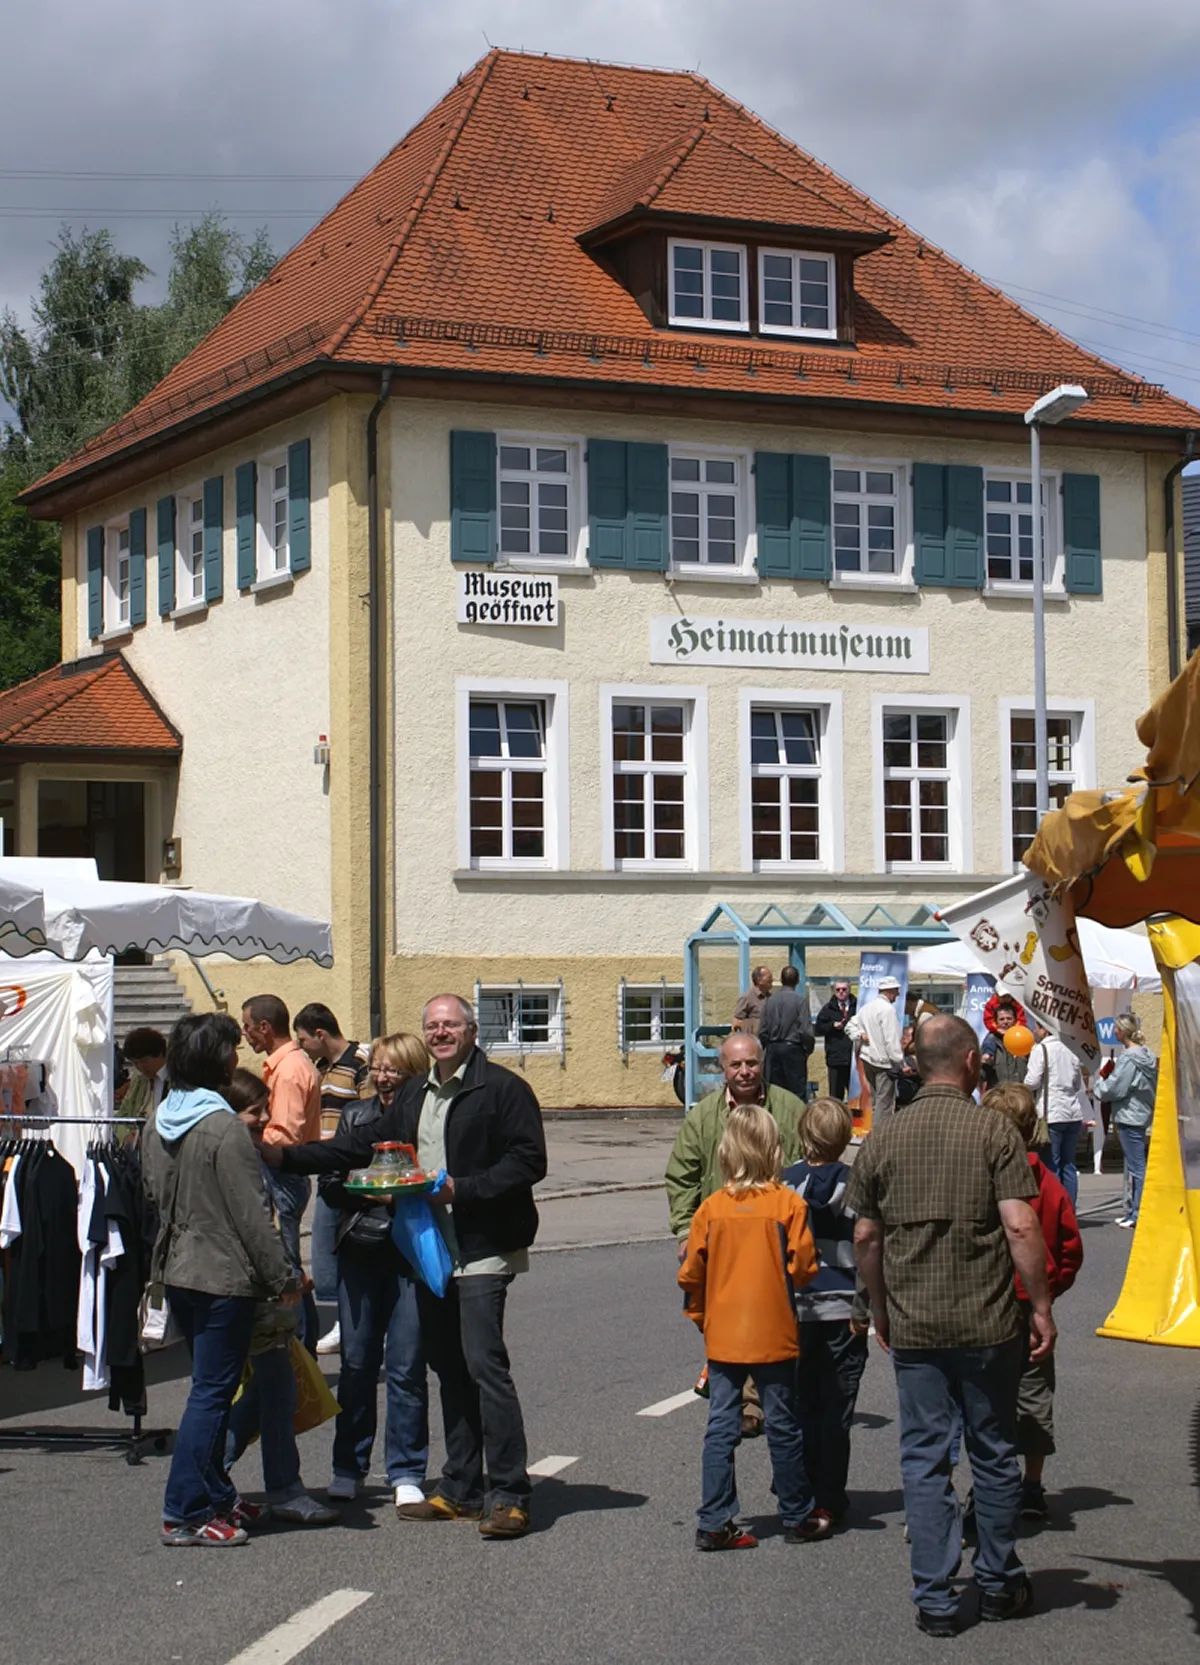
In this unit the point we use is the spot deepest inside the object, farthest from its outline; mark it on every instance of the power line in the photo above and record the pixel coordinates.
(232, 178)
(1084, 308)
(13, 212)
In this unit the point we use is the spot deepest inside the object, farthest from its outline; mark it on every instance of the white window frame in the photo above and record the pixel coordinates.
(555, 697)
(114, 624)
(266, 571)
(903, 578)
(656, 991)
(707, 321)
(514, 1045)
(695, 791)
(1083, 754)
(745, 530)
(795, 256)
(183, 575)
(962, 851)
(1054, 553)
(576, 557)
(830, 819)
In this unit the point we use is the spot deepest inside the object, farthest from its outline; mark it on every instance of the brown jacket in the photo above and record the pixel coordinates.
(746, 1255)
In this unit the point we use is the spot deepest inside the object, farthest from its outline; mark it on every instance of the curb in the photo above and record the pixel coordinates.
(600, 1190)
(608, 1243)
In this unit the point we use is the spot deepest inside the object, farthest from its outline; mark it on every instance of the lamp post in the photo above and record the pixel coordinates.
(1055, 406)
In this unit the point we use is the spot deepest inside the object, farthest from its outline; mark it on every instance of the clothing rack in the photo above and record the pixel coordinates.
(132, 1441)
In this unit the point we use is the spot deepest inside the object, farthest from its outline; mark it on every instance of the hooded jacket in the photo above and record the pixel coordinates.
(1060, 1233)
(1131, 1087)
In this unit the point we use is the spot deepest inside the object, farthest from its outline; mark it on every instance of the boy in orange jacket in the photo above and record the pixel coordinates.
(748, 1251)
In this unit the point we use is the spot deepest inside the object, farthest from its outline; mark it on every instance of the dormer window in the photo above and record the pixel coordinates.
(796, 293)
(708, 285)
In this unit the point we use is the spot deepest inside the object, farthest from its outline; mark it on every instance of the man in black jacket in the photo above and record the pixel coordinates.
(483, 1125)
(831, 1023)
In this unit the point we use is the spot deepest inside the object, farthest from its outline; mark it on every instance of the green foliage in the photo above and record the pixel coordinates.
(92, 354)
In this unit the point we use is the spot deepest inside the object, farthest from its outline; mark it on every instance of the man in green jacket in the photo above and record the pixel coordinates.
(692, 1171)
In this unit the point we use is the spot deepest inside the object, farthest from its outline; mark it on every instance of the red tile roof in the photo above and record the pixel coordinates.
(94, 705)
(460, 253)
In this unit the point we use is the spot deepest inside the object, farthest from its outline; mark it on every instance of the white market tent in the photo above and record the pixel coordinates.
(56, 1036)
(1113, 959)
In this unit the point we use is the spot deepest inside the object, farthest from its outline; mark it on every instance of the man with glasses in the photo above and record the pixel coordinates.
(483, 1125)
(831, 1023)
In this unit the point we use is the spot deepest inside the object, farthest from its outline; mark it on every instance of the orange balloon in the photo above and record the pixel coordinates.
(1018, 1040)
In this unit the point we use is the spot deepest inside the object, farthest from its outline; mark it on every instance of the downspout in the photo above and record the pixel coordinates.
(377, 669)
(1174, 664)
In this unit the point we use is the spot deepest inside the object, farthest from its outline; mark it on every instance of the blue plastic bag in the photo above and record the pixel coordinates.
(418, 1237)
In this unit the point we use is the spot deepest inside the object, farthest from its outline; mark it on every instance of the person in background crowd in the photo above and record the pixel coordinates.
(1056, 1082)
(1064, 1257)
(483, 1125)
(146, 1052)
(377, 1307)
(748, 1011)
(1129, 1084)
(747, 1249)
(217, 1255)
(994, 1004)
(785, 1033)
(295, 1118)
(908, 1082)
(917, 1011)
(693, 1169)
(831, 1023)
(342, 1067)
(266, 1406)
(1000, 1066)
(880, 1056)
(833, 1324)
(943, 1195)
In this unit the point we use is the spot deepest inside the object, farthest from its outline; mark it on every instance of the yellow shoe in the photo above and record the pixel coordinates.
(438, 1507)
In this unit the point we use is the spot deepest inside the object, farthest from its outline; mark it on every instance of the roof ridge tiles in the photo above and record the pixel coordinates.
(682, 151)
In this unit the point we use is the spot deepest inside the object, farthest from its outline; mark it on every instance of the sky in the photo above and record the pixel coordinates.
(1051, 145)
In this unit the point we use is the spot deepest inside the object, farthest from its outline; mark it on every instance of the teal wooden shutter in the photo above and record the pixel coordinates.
(166, 555)
(299, 516)
(929, 522)
(647, 471)
(473, 535)
(964, 527)
(608, 503)
(95, 581)
(813, 550)
(773, 513)
(1081, 532)
(245, 492)
(137, 566)
(214, 532)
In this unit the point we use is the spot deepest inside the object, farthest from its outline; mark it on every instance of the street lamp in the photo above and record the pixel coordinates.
(1062, 401)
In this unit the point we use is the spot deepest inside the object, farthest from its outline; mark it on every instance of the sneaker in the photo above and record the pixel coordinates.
(438, 1507)
(944, 1626)
(1015, 1603)
(210, 1534)
(331, 1343)
(506, 1520)
(344, 1487)
(304, 1510)
(1033, 1501)
(1127, 1224)
(818, 1525)
(406, 1492)
(249, 1515)
(729, 1536)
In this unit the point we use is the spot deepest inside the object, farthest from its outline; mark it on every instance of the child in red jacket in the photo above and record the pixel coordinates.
(1064, 1257)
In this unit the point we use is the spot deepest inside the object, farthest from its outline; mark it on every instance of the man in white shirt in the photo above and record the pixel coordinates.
(881, 1057)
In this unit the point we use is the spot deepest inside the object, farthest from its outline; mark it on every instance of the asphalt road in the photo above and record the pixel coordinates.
(609, 1576)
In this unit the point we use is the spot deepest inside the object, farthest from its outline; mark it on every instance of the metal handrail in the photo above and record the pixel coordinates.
(217, 996)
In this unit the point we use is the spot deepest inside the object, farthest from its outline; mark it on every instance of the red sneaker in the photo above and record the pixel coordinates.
(248, 1515)
(210, 1534)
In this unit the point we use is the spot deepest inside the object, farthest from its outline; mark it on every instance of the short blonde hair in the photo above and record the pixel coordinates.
(750, 1154)
(826, 1128)
(1015, 1101)
(404, 1052)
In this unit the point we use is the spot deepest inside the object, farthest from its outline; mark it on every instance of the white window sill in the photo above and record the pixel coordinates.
(513, 1049)
(1023, 592)
(723, 324)
(770, 868)
(668, 867)
(276, 581)
(189, 610)
(872, 581)
(119, 633)
(712, 575)
(915, 868)
(790, 334)
(496, 865)
(535, 564)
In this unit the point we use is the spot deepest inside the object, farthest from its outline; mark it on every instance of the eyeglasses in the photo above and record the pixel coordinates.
(444, 1028)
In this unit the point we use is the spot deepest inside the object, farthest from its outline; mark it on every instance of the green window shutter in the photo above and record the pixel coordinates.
(813, 550)
(473, 535)
(929, 522)
(1081, 532)
(647, 471)
(95, 581)
(166, 555)
(773, 512)
(137, 566)
(964, 527)
(299, 516)
(214, 533)
(608, 503)
(246, 504)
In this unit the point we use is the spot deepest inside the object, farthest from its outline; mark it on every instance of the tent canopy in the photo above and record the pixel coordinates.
(1113, 959)
(76, 912)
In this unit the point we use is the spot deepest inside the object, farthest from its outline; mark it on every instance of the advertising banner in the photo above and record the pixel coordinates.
(873, 965)
(980, 989)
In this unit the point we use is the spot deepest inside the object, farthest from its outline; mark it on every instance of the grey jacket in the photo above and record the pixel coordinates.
(215, 1234)
(1131, 1087)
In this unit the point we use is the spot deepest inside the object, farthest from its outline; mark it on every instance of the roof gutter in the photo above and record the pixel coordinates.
(1174, 661)
(377, 568)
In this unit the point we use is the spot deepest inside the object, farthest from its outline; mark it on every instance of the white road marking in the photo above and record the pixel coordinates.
(546, 1467)
(295, 1634)
(675, 1403)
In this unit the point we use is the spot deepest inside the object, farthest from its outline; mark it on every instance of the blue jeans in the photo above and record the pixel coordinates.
(1064, 1137)
(1133, 1149)
(290, 1194)
(217, 1329)
(377, 1312)
(267, 1407)
(776, 1385)
(324, 1250)
(934, 1387)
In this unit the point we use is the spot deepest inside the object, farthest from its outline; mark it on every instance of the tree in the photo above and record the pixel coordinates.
(93, 353)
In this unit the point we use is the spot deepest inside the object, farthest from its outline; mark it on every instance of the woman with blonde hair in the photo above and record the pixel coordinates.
(1129, 1085)
(377, 1310)
(748, 1250)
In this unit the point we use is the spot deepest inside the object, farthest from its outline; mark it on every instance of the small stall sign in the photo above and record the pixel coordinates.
(508, 600)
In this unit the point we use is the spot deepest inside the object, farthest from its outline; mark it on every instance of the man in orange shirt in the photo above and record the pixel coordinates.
(294, 1118)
